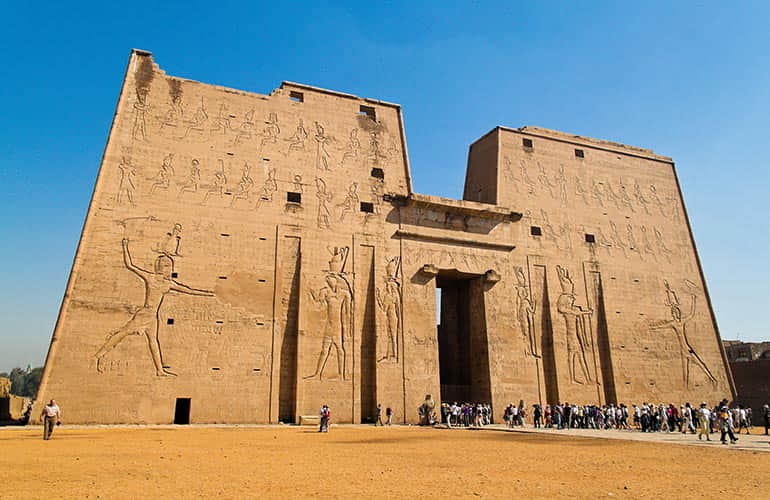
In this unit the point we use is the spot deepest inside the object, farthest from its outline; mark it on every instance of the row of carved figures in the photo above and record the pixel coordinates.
(174, 123)
(242, 194)
(580, 337)
(334, 299)
(601, 193)
(632, 240)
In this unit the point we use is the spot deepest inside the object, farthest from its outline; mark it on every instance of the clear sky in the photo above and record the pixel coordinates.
(689, 80)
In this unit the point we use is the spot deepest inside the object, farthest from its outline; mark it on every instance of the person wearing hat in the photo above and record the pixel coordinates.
(704, 428)
(726, 426)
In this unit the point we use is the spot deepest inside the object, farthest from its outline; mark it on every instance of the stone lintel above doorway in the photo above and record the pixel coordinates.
(457, 207)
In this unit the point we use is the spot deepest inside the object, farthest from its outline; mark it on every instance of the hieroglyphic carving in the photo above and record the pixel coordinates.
(127, 186)
(170, 244)
(625, 199)
(528, 182)
(163, 179)
(646, 244)
(139, 130)
(389, 301)
(298, 186)
(376, 154)
(510, 178)
(217, 186)
(244, 185)
(633, 246)
(246, 130)
(271, 131)
(561, 182)
(198, 122)
(576, 322)
(157, 284)
(673, 201)
(221, 123)
(662, 247)
(640, 198)
(654, 195)
(193, 181)
(545, 181)
(351, 202)
(297, 140)
(617, 240)
(175, 110)
(603, 241)
(352, 148)
(321, 154)
(580, 190)
(525, 312)
(268, 188)
(336, 298)
(679, 324)
(324, 197)
(610, 194)
(596, 192)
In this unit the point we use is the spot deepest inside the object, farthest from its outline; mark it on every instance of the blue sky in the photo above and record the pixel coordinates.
(689, 80)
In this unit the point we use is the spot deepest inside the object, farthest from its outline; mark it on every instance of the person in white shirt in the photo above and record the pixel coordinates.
(50, 415)
(704, 427)
(742, 420)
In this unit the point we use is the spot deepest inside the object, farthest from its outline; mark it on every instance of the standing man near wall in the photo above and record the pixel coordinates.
(50, 414)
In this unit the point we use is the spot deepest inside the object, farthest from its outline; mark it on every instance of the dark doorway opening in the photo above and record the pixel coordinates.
(462, 339)
(289, 314)
(182, 411)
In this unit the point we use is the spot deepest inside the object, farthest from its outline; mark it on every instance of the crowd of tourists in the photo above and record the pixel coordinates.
(685, 418)
(466, 414)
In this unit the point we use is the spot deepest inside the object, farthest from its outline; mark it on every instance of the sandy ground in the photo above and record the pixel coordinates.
(359, 462)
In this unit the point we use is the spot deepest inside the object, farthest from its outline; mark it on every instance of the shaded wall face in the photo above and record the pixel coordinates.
(626, 307)
(208, 258)
(752, 382)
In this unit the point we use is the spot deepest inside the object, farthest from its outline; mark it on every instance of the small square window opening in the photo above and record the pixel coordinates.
(367, 207)
(590, 238)
(579, 153)
(378, 173)
(296, 96)
(368, 111)
(170, 321)
(292, 197)
(535, 231)
(527, 143)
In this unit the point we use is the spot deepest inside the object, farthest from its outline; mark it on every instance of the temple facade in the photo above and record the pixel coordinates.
(248, 258)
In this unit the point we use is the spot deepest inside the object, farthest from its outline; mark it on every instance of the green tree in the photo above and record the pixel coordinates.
(25, 382)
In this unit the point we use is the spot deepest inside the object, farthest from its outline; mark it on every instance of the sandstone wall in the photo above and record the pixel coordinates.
(626, 315)
(261, 255)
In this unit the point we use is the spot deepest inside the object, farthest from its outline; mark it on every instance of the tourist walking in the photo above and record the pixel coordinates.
(742, 420)
(389, 415)
(726, 426)
(326, 415)
(379, 416)
(766, 415)
(51, 415)
(704, 419)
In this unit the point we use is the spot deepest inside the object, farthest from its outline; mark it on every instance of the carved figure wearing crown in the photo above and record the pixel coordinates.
(389, 301)
(679, 323)
(574, 316)
(336, 299)
(525, 310)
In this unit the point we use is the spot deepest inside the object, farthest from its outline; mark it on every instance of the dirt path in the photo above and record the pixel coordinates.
(357, 461)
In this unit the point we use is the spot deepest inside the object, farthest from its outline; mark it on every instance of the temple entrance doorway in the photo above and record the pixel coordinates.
(462, 338)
